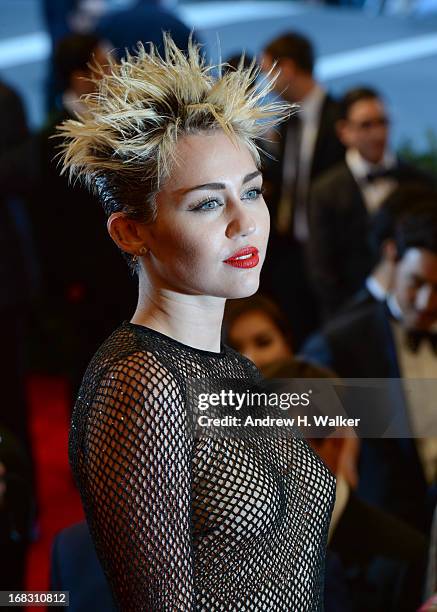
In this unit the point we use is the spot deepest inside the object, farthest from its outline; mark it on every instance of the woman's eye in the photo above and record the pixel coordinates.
(263, 341)
(209, 205)
(252, 194)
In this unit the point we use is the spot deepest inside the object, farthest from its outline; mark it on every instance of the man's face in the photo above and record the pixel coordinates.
(415, 288)
(366, 129)
(285, 70)
(84, 81)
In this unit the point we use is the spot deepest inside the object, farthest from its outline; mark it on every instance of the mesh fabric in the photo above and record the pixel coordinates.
(183, 524)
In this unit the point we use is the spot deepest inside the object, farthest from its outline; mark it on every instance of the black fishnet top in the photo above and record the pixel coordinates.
(210, 524)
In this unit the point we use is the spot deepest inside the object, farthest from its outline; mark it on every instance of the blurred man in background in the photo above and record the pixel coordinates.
(18, 273)
(80, 264)
(377, 285)
(346, 196)
(308, 145)
(391, 340)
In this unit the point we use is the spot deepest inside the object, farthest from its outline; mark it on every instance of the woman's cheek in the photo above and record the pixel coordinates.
(265, 232)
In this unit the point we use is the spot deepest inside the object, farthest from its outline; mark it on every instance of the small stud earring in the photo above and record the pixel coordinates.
(144, 250)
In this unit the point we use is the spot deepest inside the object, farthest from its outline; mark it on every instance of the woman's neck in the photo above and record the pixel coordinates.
(195, 320)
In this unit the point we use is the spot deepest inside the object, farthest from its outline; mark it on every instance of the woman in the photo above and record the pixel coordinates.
(180, 524)
(258, 329)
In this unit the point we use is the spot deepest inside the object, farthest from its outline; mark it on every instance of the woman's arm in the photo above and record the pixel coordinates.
(133, 467)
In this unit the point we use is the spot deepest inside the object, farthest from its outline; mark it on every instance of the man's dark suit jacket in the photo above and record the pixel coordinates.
(360, 344)
(328, 151)
(383, 558)
(361, 298)
(339, 251)
(76, 568)
(284, 276)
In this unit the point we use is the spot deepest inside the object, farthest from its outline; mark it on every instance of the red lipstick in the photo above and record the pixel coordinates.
(247, 257)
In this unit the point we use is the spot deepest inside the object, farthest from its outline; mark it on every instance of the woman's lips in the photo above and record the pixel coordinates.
(248, 257)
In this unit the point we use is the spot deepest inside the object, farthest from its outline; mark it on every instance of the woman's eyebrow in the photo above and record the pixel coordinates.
(251, 176)
(246, 179)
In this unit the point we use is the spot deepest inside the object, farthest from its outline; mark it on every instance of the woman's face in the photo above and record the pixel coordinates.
(210, 208)
(256, 336)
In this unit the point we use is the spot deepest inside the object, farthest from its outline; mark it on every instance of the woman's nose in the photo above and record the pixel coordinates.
(241, 223)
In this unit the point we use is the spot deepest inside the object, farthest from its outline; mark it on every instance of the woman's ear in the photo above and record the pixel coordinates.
(129, 235)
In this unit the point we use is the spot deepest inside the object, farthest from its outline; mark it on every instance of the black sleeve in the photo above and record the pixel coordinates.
(132, 462)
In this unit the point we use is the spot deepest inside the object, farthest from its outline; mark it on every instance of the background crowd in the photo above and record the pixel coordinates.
(349, 289)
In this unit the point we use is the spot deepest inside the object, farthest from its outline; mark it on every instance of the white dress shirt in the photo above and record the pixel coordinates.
(296, 177)
(310, 114)
(377, 191)
(375, 289)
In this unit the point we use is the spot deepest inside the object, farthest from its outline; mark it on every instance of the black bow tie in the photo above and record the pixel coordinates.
(414, 339)
(381, 173)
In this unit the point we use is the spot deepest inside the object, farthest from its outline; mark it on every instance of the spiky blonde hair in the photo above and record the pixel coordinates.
(123, 147)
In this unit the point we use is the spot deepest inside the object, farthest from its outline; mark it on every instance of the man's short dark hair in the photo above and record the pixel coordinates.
(417, 227)
(73, 52)
(234, 62)
(355, 95)
(294, 46)
(407, 199)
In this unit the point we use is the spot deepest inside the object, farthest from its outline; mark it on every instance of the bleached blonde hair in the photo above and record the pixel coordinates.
(124, 146)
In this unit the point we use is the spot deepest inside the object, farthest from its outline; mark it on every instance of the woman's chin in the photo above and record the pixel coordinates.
(243, 290)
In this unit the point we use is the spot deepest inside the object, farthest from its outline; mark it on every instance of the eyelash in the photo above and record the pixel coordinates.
(199, 206)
